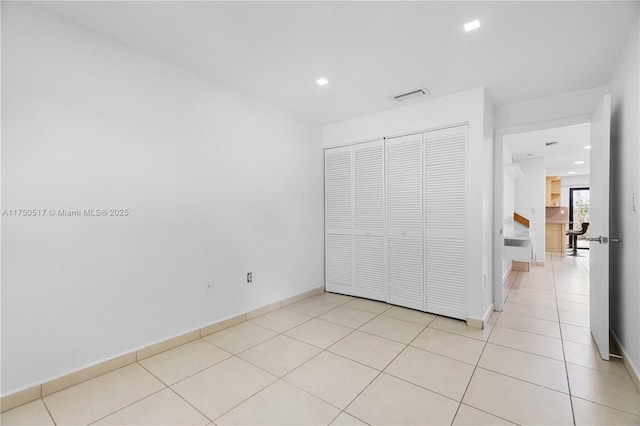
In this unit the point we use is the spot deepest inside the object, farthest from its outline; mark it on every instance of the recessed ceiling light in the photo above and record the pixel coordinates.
(470, 26)
(587, 147)
(322, 81)
(571, 173)
(578, 162)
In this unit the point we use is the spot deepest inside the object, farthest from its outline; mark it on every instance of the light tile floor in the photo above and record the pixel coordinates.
(333, 359)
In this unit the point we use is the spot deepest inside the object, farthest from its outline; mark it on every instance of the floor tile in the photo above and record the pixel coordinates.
(528, 342)
(494, 317)
(162, 408)
(319, 332)
(183, 361)
(546, 294)
(549, 314)
(469, 416)
(240, 337)
(312, 306)
(580, 319)
(517, 401)
(91, 400)
(535, 369)
(345, 419)
(531, 325)
(33, 413)
(393, 329)
(280, 404)
(332, 378)
(533, 283)
(279, 355)
(590, 413)
(460, 327)
(281, 320)
(565, 305)
(451, 345)
(542, 302)
(372, 306)
(577, 298)
(440, 374)
(589, 356)
(410, 315)
(576, 334)
(349, 317)
(604, 388)
(374, 351)
(573, 287)
(217, 389)
(338, 299)
(389, 400)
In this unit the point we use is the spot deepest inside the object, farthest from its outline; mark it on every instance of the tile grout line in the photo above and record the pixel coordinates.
(48, 411)
(385, 367)
(282, 377)
(341, 410)
(564, 356)
(321, 351)
(168, 386)
(475, 367)
(129, 405)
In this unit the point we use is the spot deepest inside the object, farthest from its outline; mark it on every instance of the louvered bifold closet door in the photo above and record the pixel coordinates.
(339, 256)
(404, 221)
(368, 161)
(445, 199)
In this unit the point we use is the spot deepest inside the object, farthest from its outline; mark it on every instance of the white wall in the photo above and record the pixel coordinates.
(508, 184)
(487, 203)
(529, 199)
(558, 107)
(568, 182)
(508, 197)
(625, 181)
(217, 184)
(464, 107)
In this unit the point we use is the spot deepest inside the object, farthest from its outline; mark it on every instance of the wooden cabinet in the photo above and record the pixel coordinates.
(553, 190)
(554, 239)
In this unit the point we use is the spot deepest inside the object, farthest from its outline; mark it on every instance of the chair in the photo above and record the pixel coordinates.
(573, 237)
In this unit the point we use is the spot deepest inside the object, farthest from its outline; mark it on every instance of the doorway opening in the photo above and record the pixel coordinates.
(579, 214)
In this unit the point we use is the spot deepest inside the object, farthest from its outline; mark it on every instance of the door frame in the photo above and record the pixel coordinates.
(498, 196)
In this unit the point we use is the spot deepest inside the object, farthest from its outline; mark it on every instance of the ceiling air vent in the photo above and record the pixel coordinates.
(411, 94)
(551, 143)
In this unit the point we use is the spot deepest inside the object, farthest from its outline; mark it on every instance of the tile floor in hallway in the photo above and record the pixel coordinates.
(333, 359)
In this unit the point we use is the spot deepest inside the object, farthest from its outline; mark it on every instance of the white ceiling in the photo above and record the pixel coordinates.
(559, 159)
(371, 50)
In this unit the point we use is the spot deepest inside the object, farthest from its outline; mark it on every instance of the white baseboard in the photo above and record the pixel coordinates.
(33, 393)
(481, 323)
(506, 275)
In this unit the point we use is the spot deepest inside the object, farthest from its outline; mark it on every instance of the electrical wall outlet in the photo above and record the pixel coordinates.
(249, 277)
(208, 289)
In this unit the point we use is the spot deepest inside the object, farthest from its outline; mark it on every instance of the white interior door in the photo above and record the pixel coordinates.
(445, 201)
(404, 221)
(599, 227)
(339, 241)
(368, 170)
